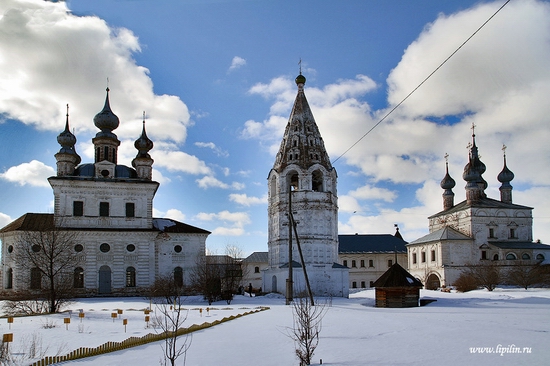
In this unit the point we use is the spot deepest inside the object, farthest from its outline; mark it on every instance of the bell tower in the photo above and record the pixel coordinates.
(303, 177)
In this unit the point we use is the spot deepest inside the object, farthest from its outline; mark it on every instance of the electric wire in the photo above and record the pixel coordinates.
(422, 83)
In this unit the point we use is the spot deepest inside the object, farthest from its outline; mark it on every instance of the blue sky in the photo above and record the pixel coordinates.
(215, 79)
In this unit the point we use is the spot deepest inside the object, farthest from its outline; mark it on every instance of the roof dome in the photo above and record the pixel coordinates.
(106, 120)
(506, 175)
(67, 140)
(143, 144)
(300, 79)
(448, 182)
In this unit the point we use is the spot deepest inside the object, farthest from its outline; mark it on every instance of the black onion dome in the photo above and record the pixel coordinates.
(447, 182)
(143, 144)
(475, 167)
(106, 120)
(300, 79)
(506, 175)
(66, 139)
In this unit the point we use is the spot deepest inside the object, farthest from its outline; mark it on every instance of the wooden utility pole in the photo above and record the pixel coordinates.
(289, 287)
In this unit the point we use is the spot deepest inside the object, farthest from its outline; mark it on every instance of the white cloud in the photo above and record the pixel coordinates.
(373, 193)
(231, 223)
(210, 145)
(82, 52)
(4, 219)
(213, 182)
(180, 161)
(244, 200)
(34, 173)
(237, 63)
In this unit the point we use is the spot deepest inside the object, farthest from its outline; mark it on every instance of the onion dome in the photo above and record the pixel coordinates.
(143, 144)
(67, 140)
(106, 120)
(475, 167)
(447, 182)
(506, 175)
(300, 79)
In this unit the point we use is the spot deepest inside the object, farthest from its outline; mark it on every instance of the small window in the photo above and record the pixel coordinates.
(525, 256)
(353, 264)
(104, 209)
(432, 255)
(130, 247)
(130, 209)
(36, 279)
(256, 269)
(130, 277)
(78, 279)
(78, 208)
(390, 263)
(371, 263)
(178, 276)
(10, 249)
(511, 257)
(495, 257)
(491, 232)
(362, 263)
(104, 248)
(36, 248)
(178, 248)
(9, 278)
(354, 284)
(78, 248)
(423, 257)
(345, 263)
(512, 233)
(540, 257)
(483, 254)
(363, 284)
(371, 283)
(414, 258)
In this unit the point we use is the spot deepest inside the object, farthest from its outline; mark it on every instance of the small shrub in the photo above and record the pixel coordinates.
(466, 282)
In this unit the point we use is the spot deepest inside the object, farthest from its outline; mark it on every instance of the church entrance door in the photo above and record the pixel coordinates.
(432, 282)
(274, 284)
(104, 280)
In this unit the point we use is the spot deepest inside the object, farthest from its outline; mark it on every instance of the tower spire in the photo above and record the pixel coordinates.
(476, 185)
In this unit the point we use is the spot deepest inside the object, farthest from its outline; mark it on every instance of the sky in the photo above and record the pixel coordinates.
(216, 81)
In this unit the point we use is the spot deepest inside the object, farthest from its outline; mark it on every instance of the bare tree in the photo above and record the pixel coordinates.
(307, 324)
(170, 317)
(485, 275)
(527, 275)
(50, 256)
(218, 276)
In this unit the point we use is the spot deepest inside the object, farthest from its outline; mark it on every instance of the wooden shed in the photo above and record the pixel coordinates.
(397, 288)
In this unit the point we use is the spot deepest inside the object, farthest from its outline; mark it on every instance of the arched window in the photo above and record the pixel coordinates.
(9, 278)
(495, 257)
(130, 277)
(36, 279)
(256, 269)
(317, 181)
(178, 276)
(540, 257)
(78, 278)
(293, 180)
(511, 257)
(525, 256)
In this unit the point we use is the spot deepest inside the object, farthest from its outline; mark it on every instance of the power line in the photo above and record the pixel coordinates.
(422, 83)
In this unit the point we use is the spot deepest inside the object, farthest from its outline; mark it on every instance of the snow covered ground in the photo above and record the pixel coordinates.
(354, 332)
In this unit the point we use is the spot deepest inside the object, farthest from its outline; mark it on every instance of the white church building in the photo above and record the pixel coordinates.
(303, 182)
(477, 231)
(121, 248)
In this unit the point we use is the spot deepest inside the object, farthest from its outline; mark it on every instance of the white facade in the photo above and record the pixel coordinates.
(121, 248)
(479, 230)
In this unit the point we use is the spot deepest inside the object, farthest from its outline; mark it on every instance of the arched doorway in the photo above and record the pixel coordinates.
(104, 280)
(274, 284)
(432, 282)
